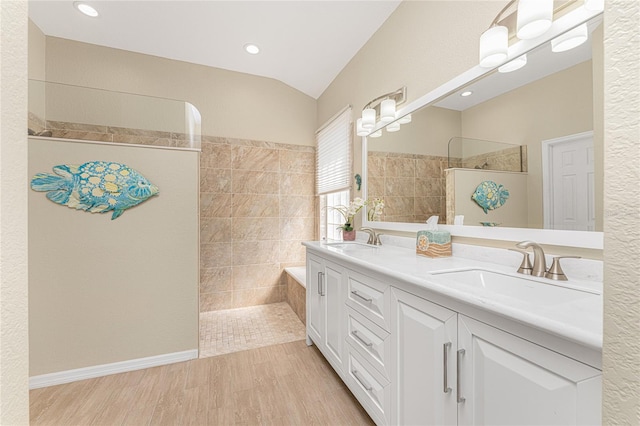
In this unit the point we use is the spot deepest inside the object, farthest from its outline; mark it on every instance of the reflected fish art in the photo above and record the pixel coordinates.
(96, 187)
(490, 195)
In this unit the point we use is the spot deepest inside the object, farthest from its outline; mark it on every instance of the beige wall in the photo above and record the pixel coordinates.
(621, 355)
(14, 346)
(232, 104)
(37, 55)
(102, 290)
(552, 107)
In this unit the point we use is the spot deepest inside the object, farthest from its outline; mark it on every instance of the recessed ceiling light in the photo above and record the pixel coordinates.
(86, 9)
(467, 93)
(252, 48)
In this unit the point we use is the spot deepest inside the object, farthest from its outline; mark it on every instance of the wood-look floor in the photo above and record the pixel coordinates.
(286, 384)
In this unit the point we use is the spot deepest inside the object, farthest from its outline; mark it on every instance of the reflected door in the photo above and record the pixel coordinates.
(570, 183)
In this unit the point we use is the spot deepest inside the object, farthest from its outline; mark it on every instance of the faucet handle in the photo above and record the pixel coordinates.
(526, 267)
(377, 241)
(372, 235)
(555, 272)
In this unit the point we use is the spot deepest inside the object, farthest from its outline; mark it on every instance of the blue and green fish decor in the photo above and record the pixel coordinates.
(490, 195)
(96, 187)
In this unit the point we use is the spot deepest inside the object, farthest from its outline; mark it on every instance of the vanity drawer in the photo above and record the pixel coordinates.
(369, 297)
(369, 340)
(371, 388)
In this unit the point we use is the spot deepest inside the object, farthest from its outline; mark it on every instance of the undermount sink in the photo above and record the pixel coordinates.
(351, 246)
(529, 289)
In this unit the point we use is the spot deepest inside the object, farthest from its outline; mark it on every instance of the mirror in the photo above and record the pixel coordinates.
(538, 111)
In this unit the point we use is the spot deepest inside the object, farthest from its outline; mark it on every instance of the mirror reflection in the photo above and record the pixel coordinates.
(530, 130)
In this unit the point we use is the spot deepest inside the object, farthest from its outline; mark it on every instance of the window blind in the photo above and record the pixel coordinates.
(333, 154)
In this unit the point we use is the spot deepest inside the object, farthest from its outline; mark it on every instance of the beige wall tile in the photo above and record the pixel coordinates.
(426, 168)
(215, 230)
(297, 184)
(215, 255)
(143, 140)
(398, 206)
(254, 276)
(292, 251)
(429, 187)
(215, 156)
(254, 229)
(78, 134)
(216, 301)
(255, 158)
(254, 182)
(375, 187)
(255, 252)
(297, 206)
(400, 187)
(429, 206)
(297, 228)
(255, 205)
(400, 167)
(215, 205)
(215, 180)
(297, 161)
(258, 296)
(376, 166)
(215, 280)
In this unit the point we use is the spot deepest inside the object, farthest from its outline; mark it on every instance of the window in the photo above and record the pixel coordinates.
(333, 172)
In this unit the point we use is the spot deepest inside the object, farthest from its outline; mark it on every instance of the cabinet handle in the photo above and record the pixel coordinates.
(460, 397)
(445, 356)
(320, 279)
(355, 293)
(362, 381)
(362, 339)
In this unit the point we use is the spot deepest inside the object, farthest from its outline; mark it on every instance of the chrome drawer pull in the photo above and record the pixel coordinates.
(460, 398)
(362, 381)
(355, 293)
(320, 286)
(362, 339)
(445, 356)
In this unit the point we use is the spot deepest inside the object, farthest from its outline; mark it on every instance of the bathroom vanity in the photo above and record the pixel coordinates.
(454, 340)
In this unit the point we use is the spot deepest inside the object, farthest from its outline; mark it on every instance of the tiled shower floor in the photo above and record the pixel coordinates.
(234, 330)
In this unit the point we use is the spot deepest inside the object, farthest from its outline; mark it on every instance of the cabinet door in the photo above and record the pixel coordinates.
(315, 305)
(506, 380)
(423, 355)
(334, 299)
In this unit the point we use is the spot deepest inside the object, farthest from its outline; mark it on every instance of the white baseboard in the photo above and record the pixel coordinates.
(69, 376)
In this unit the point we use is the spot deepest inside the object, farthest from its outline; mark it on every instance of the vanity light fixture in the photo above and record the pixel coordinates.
(405, 119)
(393, 127)
(376, 134)
(361, 131)
(570, 39)
(382, 108)
(514, 64)
(467, 93)
(594, 5)
(251, 48)
(86, 9)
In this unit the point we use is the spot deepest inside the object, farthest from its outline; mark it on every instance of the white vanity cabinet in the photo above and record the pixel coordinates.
(325, 308)
(424, 342)
(413, 356)
(507, 380)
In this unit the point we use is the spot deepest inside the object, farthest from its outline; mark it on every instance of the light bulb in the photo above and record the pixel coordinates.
(393, 127)
(376, 134)
(570, 39)
(388, 110)
(361, 131)
(86, 9)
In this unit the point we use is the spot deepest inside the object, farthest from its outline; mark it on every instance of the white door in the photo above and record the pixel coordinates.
(423, 355)
(334, 299)
(506, 380)
(570, 183)
(315, 305)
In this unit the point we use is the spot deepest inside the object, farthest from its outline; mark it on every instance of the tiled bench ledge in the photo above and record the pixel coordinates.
(296, 291)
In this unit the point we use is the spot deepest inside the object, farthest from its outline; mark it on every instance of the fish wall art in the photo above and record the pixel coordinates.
(96, 187)
(490, 195)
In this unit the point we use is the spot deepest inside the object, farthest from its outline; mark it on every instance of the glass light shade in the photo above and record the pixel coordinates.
(594, 5)
(393, 127)
(388, 110)
(368, 118)
(376, 134)
(494, 44)
(534, 18)
(570, 39)
(405, 119)
(361, 131)
(514, 64)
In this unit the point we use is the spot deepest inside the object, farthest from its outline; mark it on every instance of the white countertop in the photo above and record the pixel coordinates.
(577, 320)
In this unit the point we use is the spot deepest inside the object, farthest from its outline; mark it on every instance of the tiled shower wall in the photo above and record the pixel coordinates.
(257, 205)
(412, 185)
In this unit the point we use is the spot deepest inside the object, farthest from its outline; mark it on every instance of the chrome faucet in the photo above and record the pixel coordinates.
(539, 262)
(374, 238)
